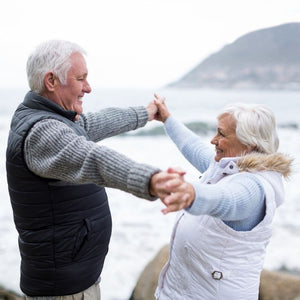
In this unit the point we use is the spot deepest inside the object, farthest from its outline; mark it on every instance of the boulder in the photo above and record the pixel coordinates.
(274, 285)
(9, 295)
(147, 282)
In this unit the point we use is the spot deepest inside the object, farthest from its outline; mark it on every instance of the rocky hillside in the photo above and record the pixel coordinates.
(265, 59)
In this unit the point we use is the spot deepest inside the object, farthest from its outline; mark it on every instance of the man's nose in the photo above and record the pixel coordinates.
(87, 88)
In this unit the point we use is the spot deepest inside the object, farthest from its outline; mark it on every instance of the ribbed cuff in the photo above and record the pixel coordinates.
(142, 115)
(139, 179)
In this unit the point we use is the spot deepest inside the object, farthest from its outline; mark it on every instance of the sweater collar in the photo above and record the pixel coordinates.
(36, 101)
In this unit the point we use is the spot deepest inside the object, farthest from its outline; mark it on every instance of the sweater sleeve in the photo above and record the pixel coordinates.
(53, 150)
(239, 202)
(189, 144)
(112, 121)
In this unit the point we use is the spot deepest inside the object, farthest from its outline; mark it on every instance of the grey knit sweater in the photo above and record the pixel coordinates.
(53, 150)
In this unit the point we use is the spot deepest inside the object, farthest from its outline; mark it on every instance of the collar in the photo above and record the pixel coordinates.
(228, 165)
(36, 101)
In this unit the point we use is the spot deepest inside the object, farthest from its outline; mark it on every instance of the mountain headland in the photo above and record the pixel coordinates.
(268, 58)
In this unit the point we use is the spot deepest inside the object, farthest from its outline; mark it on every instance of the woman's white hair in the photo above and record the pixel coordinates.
(255, 126)
(54, 56)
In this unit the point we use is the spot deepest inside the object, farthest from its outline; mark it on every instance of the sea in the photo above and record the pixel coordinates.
(140, 230)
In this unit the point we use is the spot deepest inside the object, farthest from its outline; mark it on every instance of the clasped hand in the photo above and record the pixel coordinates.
(157, 109)
(170, 185)
(172, 189)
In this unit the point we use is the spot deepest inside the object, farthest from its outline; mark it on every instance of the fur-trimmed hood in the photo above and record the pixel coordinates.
(255, 162)
(269, 168)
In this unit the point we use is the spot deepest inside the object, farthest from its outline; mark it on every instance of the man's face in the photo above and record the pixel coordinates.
(69, 96)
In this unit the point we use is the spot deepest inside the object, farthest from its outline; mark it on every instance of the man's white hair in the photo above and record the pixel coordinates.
(54, 56)
(255, 126)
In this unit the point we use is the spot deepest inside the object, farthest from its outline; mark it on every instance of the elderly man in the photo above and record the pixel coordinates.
(57, 172)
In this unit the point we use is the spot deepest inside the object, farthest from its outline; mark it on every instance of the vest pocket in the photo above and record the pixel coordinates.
(81, 237)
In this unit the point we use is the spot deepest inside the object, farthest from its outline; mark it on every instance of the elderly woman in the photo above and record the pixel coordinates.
(218, 244)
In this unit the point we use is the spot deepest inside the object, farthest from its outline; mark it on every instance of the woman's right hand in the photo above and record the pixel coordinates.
(163, 112)
(181, 193)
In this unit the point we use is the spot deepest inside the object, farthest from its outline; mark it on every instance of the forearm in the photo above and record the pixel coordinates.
(52, 150)
(236, 200)
(190, 144)
(112, 121)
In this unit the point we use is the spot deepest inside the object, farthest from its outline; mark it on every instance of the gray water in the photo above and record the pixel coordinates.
(139, 228)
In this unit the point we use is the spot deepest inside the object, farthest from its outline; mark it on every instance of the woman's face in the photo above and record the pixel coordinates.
(226, 142)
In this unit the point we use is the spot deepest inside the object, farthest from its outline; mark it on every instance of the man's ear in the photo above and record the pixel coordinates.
(50, 81)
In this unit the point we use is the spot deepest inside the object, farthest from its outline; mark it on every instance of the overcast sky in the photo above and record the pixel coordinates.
(132, 43)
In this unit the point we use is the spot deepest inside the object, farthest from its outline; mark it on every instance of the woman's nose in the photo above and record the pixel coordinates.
(214, 140)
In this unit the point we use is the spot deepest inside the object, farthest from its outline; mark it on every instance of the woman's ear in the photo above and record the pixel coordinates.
(252, 148)
(50, 81)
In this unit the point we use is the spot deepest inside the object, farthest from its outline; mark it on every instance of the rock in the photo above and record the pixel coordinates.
(146, 285)
(279, 286)
(9, 295)
(274, 285)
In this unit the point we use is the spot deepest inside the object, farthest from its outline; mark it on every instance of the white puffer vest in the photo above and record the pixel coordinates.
(210, 260)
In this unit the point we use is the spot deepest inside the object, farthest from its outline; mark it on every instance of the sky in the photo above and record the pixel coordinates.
(132, 43)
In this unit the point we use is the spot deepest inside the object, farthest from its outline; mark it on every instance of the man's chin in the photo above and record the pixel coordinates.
(78, 109)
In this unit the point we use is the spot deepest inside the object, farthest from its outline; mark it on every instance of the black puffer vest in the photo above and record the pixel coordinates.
(64, 229)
